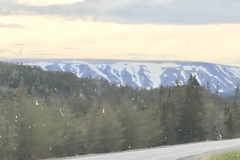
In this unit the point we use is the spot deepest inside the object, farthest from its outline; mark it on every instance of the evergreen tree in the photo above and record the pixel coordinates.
(191, 114)
(127, 118)
(8, 129)
(7, 138)
(170, 115)
(214, 126)
(105, 131)
(148, 130)
(229, 127)
(208, 85)
(168, 124)
(217, 90)
(235, 112)
(237, 96)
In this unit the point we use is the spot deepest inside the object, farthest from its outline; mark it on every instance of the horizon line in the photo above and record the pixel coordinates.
(115, 60)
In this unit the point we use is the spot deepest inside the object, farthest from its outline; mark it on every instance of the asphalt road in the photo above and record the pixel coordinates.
(165, 153)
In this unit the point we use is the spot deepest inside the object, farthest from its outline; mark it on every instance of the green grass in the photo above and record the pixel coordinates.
(234, 155)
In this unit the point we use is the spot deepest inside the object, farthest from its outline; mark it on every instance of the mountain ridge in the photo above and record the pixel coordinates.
(145, 74)
(110, 61)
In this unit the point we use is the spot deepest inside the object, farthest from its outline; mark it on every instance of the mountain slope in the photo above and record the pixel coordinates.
(147, 74)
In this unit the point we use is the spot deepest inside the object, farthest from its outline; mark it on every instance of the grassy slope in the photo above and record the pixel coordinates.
(234, 155)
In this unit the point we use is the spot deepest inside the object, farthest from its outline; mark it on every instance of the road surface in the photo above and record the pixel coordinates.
(165, 153)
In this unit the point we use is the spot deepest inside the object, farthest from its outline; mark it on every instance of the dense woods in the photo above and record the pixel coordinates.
(47, 114)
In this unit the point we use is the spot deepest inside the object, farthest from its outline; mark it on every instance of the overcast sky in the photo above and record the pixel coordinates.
(198, 30)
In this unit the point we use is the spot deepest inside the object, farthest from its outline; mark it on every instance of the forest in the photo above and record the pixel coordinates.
(46, 114)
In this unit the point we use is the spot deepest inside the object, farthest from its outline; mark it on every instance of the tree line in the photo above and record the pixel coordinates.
(46, 114)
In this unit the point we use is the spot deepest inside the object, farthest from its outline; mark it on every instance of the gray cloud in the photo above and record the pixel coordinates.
(234, 62)
(140, 11)
(41, 54)
(2, 50)
(70, 48)
(138, 56)
(3, 25)
(20, 44)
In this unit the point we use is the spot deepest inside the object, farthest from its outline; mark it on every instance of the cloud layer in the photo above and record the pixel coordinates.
(206, 30)
(46, 2)
(132, 11)
(58, 37)
(12, 25)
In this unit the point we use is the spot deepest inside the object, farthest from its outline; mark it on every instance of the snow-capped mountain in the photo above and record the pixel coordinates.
(147, 74)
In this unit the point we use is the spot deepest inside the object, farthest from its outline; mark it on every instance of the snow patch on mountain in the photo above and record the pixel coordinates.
(147, 74)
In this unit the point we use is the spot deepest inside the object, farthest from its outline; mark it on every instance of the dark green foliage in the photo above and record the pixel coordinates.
(192, 114)
(105, 133)
(232, 123)
(47, 114)
(229, 126)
